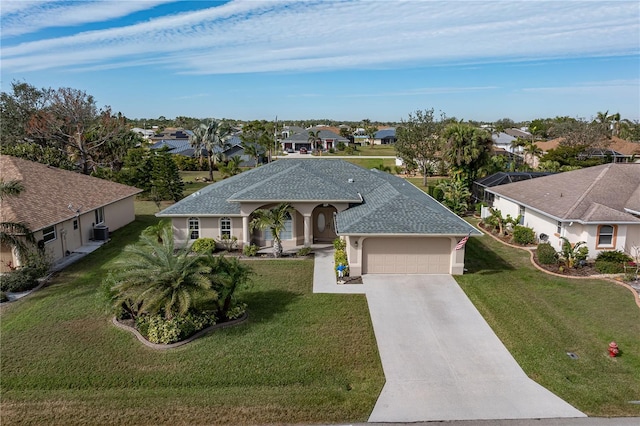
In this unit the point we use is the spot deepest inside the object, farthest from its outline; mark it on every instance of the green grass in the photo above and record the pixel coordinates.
(540, 318)
(377, 150)
(370, 163)
(300, 358)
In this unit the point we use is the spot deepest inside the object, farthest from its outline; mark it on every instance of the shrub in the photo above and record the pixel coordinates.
(523, 235)
(204, 245)
(26, 277)
(3, 297)
(339, 244)
(158, 329)
(332, 151)
(340, 146)
(611, 262)
(304, 251)
(237, 311)
(398, 170)
(250, 250)
(228, 243)
(546, 254)
(349, 150)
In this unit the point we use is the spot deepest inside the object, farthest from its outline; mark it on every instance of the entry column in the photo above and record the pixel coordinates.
(308, 235)
(246, 239)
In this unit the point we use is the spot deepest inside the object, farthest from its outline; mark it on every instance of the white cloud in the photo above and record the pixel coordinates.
(24, 17)
(276, 36)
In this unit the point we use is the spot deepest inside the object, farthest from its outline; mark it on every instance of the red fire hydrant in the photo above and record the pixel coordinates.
(613, 349)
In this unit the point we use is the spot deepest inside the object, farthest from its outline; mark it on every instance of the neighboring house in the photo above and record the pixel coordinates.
(616, 149)
(183, 147)
(478, 193)
(389, 225)
(144, 133)
(171, 133)
(599, 205)
(503, 141)
(64, 209)
(385, 136)
(328, 138)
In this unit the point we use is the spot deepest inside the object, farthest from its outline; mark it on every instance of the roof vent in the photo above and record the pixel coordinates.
(350, 180)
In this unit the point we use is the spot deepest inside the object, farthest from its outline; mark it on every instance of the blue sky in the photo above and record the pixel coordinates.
(343, 60)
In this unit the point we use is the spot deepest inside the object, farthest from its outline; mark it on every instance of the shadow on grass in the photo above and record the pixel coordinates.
(264, 305)
(481, 259)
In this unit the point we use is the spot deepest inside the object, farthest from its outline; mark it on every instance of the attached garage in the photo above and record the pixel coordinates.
(395, 255)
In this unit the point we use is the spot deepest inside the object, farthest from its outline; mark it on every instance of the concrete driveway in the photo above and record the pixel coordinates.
(441, 359)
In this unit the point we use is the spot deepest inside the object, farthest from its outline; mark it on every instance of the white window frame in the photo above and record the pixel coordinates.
(49, 234)
(99, 213)
(193, 227)
(225, 226)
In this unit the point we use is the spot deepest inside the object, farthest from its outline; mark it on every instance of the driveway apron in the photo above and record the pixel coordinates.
(441, 359)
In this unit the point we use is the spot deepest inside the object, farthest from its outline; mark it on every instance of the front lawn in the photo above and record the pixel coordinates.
(300, 358)
(540, 318)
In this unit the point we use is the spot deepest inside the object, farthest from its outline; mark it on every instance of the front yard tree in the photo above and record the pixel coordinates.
(156, 277)
(467, 150)
(209, 138)
(418, 141)
(17, 108)
(258, 137)
(274, 220)
(315, 140)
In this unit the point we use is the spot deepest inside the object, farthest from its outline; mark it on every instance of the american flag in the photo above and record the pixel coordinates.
(463, 242)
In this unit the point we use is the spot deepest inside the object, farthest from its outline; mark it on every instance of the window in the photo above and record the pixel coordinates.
(606, 235)
(49, 234)
(75, 224)
(521, 214)
(225, 227)
(99, 215)
(559, 228)
(194, 228)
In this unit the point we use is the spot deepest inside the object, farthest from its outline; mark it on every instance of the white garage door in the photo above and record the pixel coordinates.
(407, 256)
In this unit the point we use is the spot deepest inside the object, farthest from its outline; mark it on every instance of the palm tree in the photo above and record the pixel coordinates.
(531, 151)
(455, 196)
(208, 137)
(154, 277)
(315, 140)
(229, 274)
(273, 219)
(15, 234)
(467, 149)
(232, 167)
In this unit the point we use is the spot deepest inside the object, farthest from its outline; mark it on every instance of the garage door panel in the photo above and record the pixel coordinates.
(406, 256)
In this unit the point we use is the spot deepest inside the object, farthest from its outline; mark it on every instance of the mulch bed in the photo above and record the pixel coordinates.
(580, 271)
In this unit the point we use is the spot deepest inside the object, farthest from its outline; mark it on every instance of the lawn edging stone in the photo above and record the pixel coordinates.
(161, 346)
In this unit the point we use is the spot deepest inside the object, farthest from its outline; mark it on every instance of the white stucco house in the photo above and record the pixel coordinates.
(388, 224)
(599, 205)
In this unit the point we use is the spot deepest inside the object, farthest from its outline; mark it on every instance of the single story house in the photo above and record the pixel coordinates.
(614, 149)
(328, 140)
(64, 209)
(599, 205)
(388, 224)
(171, 133)
(385, 136)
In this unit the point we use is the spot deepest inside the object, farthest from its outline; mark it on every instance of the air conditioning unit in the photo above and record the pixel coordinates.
(101, 233)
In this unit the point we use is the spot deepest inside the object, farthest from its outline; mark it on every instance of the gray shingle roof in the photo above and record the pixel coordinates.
(595, 194)
(380, 203)
(324, 134)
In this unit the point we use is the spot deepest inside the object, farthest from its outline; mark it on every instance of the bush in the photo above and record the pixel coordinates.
(157, 329)
(204, 245)
(304, 251)
(546, 254)
(523, 235)
(3, 297)
(340, 146)
(250, 250)
(332, 151)
(339, 244)
(228, 242)
(237, 311)
(611, 261)
(26, 277)
(349, 150)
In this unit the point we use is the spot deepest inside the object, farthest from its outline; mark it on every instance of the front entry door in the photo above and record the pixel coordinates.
(323, 227)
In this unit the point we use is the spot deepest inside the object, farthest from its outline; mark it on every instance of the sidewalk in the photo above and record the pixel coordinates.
(324, 276)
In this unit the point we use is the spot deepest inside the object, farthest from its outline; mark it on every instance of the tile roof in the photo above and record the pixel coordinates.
(380, 203)
(605, 193)
(49, 191)
(615, 143)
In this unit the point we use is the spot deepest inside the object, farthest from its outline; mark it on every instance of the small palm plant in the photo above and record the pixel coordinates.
(228, 275)
(273, 219)
(154, 277)
(571, 253)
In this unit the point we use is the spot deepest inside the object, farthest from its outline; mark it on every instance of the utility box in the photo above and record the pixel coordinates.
(101, 232)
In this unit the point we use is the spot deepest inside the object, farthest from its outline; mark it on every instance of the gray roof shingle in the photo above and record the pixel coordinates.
(380, 203)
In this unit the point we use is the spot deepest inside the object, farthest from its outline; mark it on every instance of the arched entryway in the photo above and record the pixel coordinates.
(323, 226)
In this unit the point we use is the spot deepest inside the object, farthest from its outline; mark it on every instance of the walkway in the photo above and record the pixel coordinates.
(441, 360)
